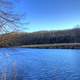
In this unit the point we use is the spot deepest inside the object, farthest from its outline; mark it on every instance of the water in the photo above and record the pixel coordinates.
(40, 64)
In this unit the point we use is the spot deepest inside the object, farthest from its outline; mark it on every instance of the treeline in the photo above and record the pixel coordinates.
(41, 37)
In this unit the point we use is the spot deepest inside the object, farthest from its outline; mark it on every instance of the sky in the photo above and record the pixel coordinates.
(49, 14)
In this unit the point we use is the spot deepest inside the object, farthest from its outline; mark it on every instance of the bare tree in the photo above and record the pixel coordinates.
(9, 20)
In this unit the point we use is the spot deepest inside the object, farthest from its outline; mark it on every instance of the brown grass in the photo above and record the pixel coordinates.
(14, 71)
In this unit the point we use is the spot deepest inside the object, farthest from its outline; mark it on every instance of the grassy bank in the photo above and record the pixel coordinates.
(61, 45)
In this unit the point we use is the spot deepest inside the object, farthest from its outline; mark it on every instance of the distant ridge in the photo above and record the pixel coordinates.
(40, 37)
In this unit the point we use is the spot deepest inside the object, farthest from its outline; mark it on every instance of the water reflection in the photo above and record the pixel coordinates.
(40, 64)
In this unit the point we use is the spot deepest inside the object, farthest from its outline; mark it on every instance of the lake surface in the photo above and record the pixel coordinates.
(39, 64)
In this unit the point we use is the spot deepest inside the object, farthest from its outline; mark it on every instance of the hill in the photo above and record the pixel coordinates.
(41, 37)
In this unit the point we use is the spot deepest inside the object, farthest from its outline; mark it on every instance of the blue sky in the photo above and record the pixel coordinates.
(49, 14)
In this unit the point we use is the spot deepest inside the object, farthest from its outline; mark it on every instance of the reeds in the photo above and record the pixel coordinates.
(5, 74)
(14, 71)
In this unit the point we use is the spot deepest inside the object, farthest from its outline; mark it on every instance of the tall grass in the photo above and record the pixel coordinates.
(14, 71)
(5, 74)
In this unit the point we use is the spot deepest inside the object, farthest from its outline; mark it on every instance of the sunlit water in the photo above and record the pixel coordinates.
(39, 64)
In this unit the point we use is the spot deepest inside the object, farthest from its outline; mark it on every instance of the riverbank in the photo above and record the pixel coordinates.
(60, 45)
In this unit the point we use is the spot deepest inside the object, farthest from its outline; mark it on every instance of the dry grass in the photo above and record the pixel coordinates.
(14, 71)
(5, 73)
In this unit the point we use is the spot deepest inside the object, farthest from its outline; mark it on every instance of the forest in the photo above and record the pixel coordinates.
(40, 37)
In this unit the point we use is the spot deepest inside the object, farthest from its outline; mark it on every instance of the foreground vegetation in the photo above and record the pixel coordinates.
(42, 39)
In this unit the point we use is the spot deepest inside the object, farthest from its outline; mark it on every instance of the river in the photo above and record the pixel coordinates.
(39, 64)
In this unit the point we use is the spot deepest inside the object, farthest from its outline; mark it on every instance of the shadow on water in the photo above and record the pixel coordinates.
(39, 64)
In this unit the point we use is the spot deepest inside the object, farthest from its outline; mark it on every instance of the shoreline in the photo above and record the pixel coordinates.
(53, 46)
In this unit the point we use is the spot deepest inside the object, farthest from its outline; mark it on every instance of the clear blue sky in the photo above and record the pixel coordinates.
(50, 14)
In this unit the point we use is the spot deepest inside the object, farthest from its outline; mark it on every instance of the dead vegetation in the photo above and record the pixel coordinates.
(9, 21)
